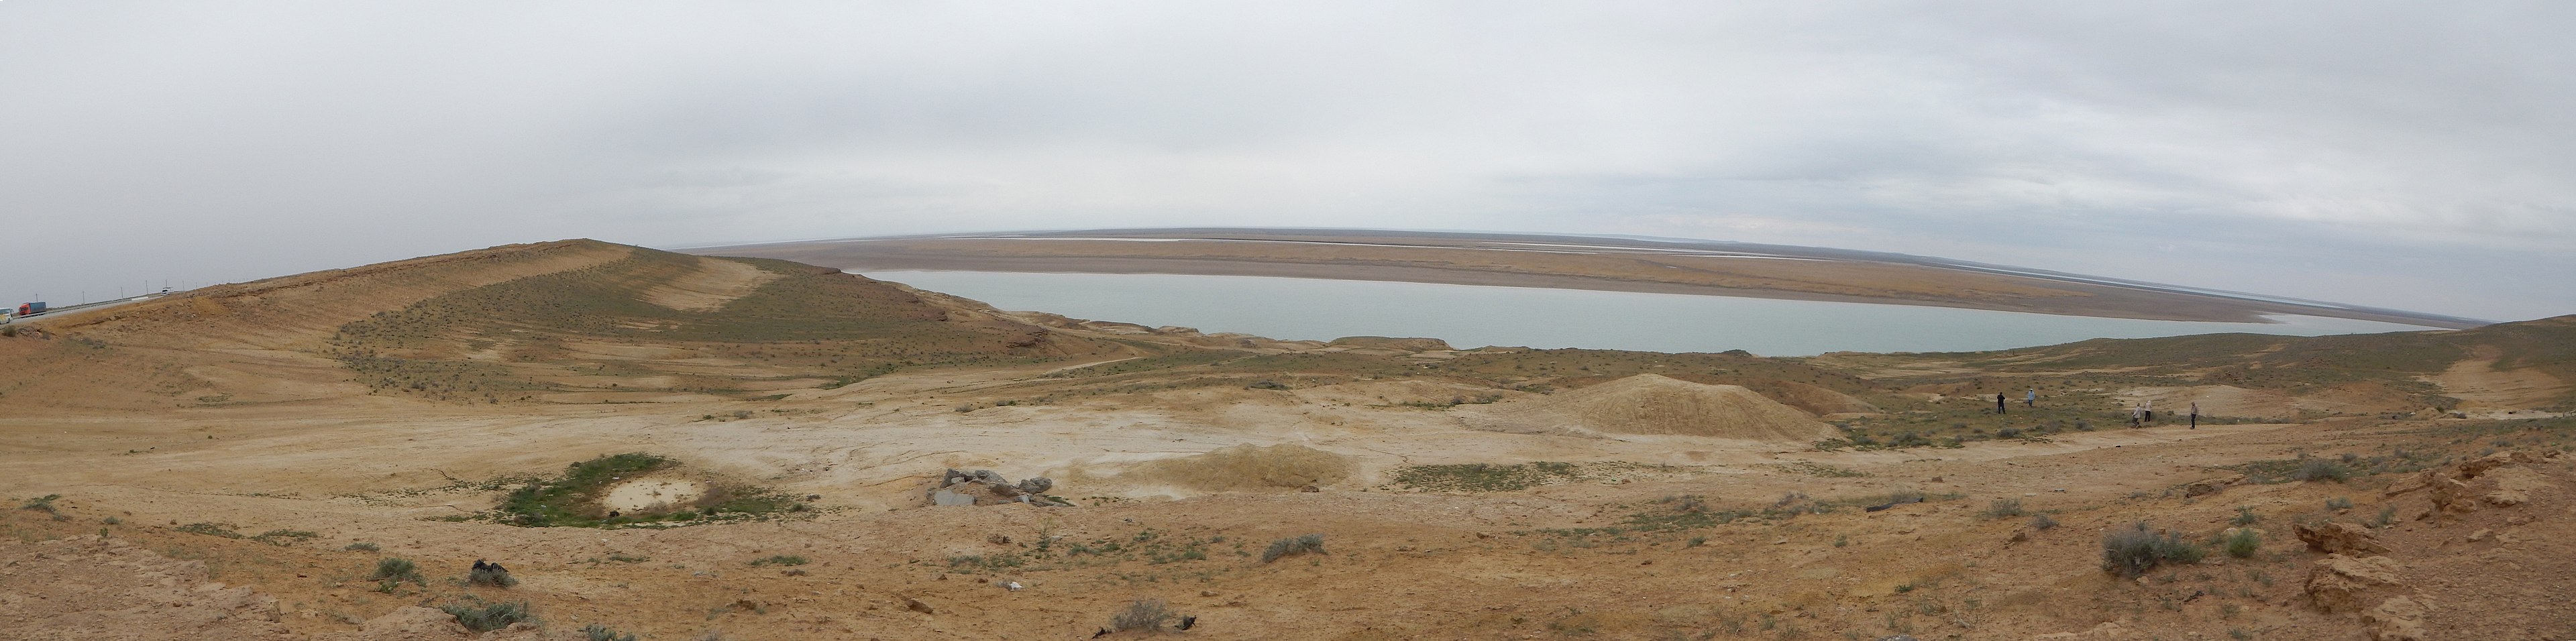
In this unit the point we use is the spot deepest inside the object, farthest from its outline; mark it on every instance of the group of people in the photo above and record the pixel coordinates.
(2140, 415)
(2145, 413)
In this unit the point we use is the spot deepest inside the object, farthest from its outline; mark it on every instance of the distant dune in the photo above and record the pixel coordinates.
(1566, 262)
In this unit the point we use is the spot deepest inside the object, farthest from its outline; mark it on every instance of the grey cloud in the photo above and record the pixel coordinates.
(2268, 145)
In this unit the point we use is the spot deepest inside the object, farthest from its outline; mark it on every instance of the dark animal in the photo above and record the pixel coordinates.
(1102, 633)
(1186, 622)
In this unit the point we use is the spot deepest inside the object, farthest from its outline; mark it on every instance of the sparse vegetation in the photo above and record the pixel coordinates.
(2338, 504)
(361, 546)
(2322, 470)
(393, 571)
(1151, 615)
(2042, 522)
(780, 559)
(572, 500)
(1484, 477)
(2004, 508)
(2241, 543)
(2244, 517)
(2131, 551)
(482, 616)
(43, 504)
(597, 632)
(283, 538)
(211, 529)
(1308, 544)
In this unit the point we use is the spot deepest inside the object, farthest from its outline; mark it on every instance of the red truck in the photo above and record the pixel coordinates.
(31, 309)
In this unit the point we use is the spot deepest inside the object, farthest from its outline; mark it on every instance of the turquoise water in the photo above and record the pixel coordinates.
(1474, 315)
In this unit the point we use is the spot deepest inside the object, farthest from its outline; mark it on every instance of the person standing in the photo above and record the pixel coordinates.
(2030, 398)
(1999, 402)
(2195, 415)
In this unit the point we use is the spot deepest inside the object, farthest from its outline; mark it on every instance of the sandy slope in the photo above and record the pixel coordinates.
(182, 517)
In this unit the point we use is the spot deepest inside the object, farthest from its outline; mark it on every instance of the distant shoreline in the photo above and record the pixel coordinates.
(1566, 262)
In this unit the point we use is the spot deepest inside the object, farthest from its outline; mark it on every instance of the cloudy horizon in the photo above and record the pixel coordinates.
(2398, 155)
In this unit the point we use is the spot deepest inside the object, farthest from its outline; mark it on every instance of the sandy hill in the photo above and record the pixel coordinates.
(568, 321)
(1654, 404)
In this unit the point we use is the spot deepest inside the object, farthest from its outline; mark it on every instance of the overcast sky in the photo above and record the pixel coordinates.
(2412, 155)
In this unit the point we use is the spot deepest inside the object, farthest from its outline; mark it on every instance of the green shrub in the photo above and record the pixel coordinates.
(781, 559)
(1311, 543)
(361, 546)
(43, 504)
(2004, 509)
(395, 569)
(2042, 522)
(2242, 543)
(2133, 550)
(486, 617)
(2339, 503)
(2244, 516)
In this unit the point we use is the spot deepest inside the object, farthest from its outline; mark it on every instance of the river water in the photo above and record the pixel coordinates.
(1473, 315)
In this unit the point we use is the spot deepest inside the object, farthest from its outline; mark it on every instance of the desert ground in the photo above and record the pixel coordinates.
(671, 446)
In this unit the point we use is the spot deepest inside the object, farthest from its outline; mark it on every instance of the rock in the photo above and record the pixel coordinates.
(984, 487)
(2397, 619)
(1036, 485)
(2019, 536)
(2342, 583)
(2451, 495)
(997, 539)
(1310, 488)
(2479, 535)
(2488, 481)
(2333, 538)
(2477, 467)
(2205, 487)
(917, 605)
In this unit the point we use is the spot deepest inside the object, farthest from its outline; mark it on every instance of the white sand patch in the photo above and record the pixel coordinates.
(652, 494)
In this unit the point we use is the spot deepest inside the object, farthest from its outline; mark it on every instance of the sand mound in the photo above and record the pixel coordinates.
(1246, 467)
(1651, 404)
(709, 286)
(644, 495)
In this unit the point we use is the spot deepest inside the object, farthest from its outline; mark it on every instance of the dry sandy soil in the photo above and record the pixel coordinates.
(217, 463)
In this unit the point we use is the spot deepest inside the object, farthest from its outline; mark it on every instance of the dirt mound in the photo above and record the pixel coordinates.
(97, 587)
(709, 286)
(1652, 404)
(1247, 467)
(1811, 399)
